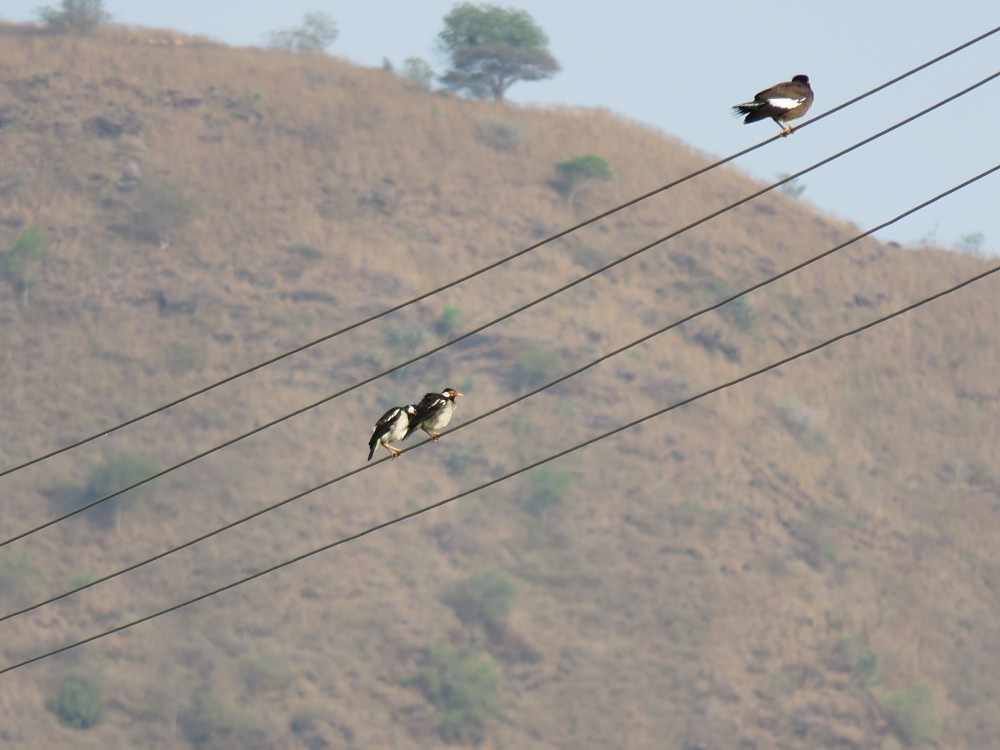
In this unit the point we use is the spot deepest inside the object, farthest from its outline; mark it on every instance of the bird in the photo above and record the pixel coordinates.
(433, 412)
(782, 102)
(391, 428)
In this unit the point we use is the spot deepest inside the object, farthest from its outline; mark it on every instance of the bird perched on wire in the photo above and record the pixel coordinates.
(782, 102)
(434, 412)
(391, 428)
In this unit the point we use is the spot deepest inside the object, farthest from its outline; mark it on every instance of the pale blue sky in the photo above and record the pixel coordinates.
(679, 66)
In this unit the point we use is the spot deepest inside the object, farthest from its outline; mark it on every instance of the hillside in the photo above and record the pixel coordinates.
(808, 560)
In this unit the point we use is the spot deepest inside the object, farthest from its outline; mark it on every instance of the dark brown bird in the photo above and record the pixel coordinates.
(782, 102)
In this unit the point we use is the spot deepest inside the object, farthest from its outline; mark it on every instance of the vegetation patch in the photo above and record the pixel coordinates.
(20, 577)
(533, 367)
(111, 475)
(739, 313)
(19, 265)
(75, 16)
(482, 598)
(806, 423)
(449, 320)
(499, 135)
(546, 488)
(464, 689)
(265, 672)
(854, 656)
(78, 703)
(910, 712)
(160, 209)
(317, 32)
(210, 723)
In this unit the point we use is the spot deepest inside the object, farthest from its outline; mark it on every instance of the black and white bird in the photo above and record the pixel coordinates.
(782, 102)
(434, 412)
(391, 428)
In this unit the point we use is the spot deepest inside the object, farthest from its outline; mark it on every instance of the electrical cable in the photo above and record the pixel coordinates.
(504, 317)
(529, 394)
(420, 511)
(490, 267)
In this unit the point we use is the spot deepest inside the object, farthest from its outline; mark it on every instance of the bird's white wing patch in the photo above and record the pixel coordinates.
(387, 418)
(784, 103)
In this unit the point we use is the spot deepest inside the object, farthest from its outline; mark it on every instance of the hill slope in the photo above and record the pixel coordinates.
(807, 560)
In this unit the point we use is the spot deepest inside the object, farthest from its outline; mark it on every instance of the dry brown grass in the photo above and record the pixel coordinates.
(690, 588)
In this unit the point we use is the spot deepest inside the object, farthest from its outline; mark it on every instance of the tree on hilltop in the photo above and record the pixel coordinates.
(317, 32)
(77, 16)
(491, 48)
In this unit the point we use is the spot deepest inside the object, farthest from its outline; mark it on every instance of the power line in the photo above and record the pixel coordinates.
(900, 77)
(407, 516)
(487, 268)
(505, 316)
(529, 394)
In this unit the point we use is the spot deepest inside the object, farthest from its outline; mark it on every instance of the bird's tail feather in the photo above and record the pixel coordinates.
(745, 109)
(752, 111)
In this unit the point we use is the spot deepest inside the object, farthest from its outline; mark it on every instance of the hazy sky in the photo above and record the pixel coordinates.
(679, 67)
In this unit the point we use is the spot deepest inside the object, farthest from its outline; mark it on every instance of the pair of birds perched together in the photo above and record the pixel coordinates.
(432, 413)
(782, 102)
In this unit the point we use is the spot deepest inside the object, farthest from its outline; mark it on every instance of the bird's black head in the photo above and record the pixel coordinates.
(801, 79)
(450, 393)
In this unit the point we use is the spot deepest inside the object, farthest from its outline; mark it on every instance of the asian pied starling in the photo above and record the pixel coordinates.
(434, 412)
(392, 427)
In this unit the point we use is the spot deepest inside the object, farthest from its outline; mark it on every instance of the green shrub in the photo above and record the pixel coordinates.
(264, 672)
(210, 723)
(482, 598)
(78, 703)
(546, 488)
(112, 474)
(853, 655)
(159, 210)
(460, 459)
(739, 313)
(19, 265)
(405, 336)
(464, 689)
(20, 578)
(805, 423)
(449, 320)
(499, 135)
(910, 712)
(77, 16)
(317, 32)
(418, 70)
(534, 366)
(792, 188)
(972, 243)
